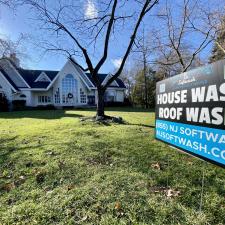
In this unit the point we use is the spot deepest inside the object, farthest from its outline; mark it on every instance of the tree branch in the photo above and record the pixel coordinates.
(146, 8)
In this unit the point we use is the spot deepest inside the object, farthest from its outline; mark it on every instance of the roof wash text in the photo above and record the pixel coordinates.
(212, 93)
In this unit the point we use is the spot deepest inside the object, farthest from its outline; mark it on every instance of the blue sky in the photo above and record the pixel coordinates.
(13, 23)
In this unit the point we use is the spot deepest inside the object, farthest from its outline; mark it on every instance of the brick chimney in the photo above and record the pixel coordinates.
(14, 60)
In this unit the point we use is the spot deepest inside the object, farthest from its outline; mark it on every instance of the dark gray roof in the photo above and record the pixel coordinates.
(31, 75)
(8, 78)
(102, 77)
(11, 72)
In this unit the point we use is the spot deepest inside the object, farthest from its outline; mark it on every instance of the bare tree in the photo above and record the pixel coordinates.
(8, 47)
(86, 32)
(213, 20)
(11, 3)
(13, 49)
(6, 2)
(173, 43)
(143, 51)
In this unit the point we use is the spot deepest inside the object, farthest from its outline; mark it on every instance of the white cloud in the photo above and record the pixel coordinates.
(90, 10)
(117, 62)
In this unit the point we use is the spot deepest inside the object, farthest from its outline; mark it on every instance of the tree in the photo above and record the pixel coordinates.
(6, 2)
(218, 51)
(13, 50)
(145, 79)
(143, 51)
(173, 46)
(8, 47)
(127, 76)
(98, 26)
(212, 23)
(10, 3)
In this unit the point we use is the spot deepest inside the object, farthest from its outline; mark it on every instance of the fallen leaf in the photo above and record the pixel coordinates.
(117, 206)
(9, 186)
(84, 218)
(49, 192)
(22, 177)
(51, 153)
(20, 180)
(70, 187)
(172, 193)
(156, 166)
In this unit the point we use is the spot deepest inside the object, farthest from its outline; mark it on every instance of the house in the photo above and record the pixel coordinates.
(70, 86)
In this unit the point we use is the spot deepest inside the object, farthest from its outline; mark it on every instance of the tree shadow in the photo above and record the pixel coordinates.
(6, 149)
(129, 109)
(141, 125)
(39, 114)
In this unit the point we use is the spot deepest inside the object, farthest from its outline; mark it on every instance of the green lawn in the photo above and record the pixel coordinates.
(56, 169)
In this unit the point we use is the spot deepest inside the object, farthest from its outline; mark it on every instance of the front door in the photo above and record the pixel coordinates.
(91, 100)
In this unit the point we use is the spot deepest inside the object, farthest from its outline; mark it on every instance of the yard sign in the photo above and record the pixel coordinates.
(190, 112)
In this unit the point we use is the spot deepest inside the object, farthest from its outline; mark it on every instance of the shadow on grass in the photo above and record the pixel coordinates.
(129, 109)
(141, 125)
(39, 114)
(57, 114)
(6, 148)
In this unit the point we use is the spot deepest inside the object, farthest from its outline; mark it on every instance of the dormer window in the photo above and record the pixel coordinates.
(114, 83)
(43, 78)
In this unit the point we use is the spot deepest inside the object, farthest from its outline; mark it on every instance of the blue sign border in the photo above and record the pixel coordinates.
(185, 150)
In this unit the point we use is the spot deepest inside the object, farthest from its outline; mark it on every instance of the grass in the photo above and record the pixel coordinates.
(56, 169)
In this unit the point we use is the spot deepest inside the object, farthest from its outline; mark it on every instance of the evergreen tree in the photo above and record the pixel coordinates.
(141, 84)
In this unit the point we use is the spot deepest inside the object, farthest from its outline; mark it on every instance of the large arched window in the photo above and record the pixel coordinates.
(69, 89)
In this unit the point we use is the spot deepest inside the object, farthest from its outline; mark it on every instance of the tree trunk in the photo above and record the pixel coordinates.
(100, 104)
(145, 79)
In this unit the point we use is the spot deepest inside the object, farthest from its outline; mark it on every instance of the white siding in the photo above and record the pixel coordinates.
(29, 98)
(69, 69)
(35, 95)
(120, 96)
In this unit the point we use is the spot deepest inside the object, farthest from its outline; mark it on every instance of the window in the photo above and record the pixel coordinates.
(69, 89)
(57, 97)
(44, 99)
(43, 78)
(114, 83)
(22, 96)
(83, 97)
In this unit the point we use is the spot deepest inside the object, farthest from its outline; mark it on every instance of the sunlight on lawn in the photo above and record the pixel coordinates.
(56, 169)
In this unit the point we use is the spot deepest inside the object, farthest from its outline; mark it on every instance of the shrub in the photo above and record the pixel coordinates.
(118, 104)
(19, 105)
(45, 107)
(4, 105)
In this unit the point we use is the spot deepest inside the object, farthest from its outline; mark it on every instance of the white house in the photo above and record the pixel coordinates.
(68, 87)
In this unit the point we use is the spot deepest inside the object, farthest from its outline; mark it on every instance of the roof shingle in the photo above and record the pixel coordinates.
(31, 75)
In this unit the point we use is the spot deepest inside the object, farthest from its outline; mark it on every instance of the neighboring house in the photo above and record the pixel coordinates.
(68, 87)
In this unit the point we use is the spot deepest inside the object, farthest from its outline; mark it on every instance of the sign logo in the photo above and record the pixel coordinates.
(192, 118)
(162, 88)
